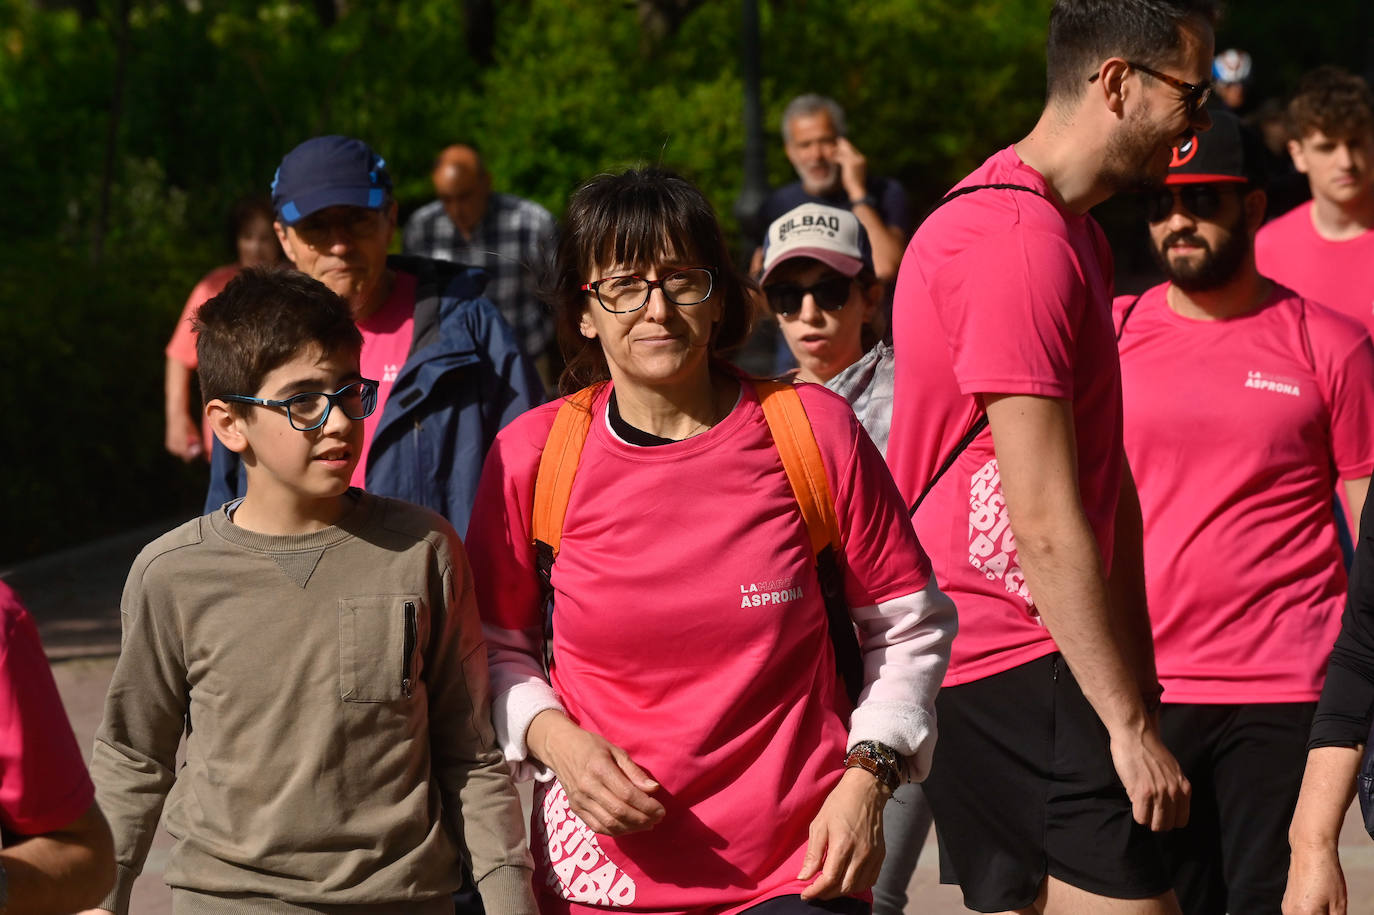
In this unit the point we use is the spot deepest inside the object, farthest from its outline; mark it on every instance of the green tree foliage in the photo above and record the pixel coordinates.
(216, 90)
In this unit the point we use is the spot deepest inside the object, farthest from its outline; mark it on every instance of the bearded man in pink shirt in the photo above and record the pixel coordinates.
(1050, 773)
(1244, 403)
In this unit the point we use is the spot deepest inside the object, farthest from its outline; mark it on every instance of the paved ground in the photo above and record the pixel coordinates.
(74, 596)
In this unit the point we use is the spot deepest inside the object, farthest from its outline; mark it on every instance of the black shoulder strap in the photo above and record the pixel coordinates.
(982, 422)
(1126, 316)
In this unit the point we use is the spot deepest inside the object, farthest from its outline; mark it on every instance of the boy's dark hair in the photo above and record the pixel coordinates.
(1083, 33)
(263, 318)
(1332, 100)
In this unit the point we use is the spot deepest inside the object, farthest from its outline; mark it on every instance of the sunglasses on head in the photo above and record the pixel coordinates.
(830, 294)
(1202, 200)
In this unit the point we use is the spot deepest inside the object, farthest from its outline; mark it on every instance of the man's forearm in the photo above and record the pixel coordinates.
(1126, 589)
(1064, 573)
(888, 244)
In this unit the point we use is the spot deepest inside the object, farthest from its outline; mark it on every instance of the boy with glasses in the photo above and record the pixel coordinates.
(1324, 249)
(1244, 403)
(320, 648)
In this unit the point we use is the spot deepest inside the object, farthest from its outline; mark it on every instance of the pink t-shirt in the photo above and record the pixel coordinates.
(387, 336)
(44, 785)
(182, 346)
(1000, 292)
(689, 630)
(1233, 429)
(1338, 274)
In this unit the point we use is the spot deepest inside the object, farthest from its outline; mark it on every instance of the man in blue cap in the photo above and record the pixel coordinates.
(449, 368)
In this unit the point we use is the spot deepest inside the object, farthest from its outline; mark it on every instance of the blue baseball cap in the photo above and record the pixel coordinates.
(326, 172)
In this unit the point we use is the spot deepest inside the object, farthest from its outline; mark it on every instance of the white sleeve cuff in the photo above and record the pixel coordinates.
(905, 643)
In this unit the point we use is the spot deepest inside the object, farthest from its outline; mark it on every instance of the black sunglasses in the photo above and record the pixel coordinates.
(1202, 200)
(1194, 96)
(830, 294)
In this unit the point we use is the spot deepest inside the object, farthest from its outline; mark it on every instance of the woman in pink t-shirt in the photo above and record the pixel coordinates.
(255, 245)
(693, 747)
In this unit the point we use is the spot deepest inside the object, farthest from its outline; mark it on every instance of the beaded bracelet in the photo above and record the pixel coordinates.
(879, 760)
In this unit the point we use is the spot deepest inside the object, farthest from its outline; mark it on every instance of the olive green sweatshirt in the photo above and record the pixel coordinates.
(332, 687)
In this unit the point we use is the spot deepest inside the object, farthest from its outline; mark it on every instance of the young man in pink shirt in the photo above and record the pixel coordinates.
(1325, 249)
(1002, 309)
(1244, 403)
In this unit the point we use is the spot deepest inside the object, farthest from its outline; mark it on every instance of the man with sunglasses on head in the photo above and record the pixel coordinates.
(1325, 249)
(450, 372)
(1050, 773)
(1244, 403)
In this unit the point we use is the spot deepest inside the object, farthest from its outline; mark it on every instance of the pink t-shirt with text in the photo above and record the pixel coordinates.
(1338, 274)
(44, 785)
(1000, 292)
(1235, 431)
(689, 631)
(387, 336)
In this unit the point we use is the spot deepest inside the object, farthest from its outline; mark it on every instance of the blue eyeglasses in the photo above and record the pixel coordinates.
(307, 412)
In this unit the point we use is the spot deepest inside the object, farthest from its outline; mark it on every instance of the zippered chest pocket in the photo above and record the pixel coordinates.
(379, 647)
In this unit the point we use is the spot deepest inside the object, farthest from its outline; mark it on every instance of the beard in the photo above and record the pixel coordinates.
(1132, 162)
(830, 181)
(1211, 269)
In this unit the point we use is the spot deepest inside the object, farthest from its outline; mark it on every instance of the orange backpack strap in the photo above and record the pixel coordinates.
(558, 468)
(801, 458)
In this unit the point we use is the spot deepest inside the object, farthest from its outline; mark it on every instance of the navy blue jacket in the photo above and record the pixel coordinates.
(464, 378)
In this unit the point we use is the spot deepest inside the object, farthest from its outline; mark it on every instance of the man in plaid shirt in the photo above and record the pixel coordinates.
(503, 234)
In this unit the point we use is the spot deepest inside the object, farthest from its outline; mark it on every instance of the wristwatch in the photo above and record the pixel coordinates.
(865, 200)
(879, 760)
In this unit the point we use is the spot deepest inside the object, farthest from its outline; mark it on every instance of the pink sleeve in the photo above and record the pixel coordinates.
(1350, 393)
(1010, 306)
(507, 585)
(44, 784)
(182, 346)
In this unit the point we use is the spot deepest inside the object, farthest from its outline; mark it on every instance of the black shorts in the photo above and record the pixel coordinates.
(793, 904)
(1023, 787)
(1245, 763)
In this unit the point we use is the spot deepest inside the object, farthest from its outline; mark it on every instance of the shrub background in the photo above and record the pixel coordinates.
(127, 128)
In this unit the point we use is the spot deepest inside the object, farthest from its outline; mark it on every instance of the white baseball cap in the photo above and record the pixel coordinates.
(830, 235)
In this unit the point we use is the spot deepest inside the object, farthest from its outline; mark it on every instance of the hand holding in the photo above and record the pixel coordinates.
(183, 438)
(604, 786)
(845, 845)
(1154, 781)
(853, 168)
(1316, 885)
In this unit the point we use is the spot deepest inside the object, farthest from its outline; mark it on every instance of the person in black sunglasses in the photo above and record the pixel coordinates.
(1244, 404)
(819, 283)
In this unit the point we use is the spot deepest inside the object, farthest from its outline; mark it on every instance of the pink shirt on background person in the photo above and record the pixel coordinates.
(387, 336)
(1338, 274)
(690, 631)
(44, 785)
(1233, 428)
(1000, 292)
(182, 346)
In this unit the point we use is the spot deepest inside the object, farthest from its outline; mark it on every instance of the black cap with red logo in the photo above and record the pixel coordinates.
(1229, 152)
